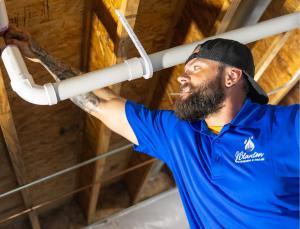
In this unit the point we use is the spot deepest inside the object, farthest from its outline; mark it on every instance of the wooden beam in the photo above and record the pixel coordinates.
(276, 99)
(14, 149)
(270, 54)
(137, 180)
(103, 145)
(283, 71)
(86, 34)
(225, 17)
(292, 97)
(106, 48)
(128, 7)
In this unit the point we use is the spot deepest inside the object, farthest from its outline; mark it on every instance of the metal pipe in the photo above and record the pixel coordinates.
(66, 170)
(248, 13)
(15, 215)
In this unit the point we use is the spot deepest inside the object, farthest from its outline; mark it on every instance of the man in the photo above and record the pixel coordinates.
(234, 158)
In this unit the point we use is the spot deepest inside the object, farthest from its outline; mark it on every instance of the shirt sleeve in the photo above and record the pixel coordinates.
(152, 129)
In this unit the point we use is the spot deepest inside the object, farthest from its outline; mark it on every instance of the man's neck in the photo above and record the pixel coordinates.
(230, 107)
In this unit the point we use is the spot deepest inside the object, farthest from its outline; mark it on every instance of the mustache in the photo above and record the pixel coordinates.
(186, 87)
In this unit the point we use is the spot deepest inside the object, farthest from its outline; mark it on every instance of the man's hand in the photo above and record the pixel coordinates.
(106, 106)
(23, 41)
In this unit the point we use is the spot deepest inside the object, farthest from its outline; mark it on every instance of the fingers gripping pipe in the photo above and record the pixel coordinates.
(20, 79)
(23, 84)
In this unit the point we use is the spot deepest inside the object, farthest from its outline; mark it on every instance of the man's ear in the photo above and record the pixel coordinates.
(233, 76)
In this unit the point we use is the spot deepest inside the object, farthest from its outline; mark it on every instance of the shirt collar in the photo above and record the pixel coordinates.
(239, 119)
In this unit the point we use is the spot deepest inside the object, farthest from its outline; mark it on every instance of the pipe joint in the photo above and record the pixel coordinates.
(50, 94)
(22, 82)
(135, 68)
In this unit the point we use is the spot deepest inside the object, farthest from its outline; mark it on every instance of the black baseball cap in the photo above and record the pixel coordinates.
(235, 54)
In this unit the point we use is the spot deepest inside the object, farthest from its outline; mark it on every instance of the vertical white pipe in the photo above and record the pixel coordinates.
(3, 17)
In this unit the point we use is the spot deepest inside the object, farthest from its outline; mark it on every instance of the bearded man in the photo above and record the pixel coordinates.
(234, 158)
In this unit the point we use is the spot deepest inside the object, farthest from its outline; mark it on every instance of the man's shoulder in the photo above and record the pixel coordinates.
(276, 109)
(283, 110)
(279, 114)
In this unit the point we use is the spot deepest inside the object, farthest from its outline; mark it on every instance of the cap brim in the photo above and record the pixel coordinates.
(256, 93)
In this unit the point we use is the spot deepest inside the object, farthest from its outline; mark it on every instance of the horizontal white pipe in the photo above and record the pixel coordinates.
(170, 57)
(131, 69)
(22, 82)
(134, 67)
(178, 55)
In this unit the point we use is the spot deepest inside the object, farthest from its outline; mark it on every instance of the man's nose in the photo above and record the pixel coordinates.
(183, 78)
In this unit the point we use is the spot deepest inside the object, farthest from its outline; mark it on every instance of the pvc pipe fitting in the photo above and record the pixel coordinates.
(22, 82)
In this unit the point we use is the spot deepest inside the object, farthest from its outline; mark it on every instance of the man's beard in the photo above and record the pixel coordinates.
(203, 101)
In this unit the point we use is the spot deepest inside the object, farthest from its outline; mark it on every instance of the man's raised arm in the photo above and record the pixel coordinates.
(104, 104)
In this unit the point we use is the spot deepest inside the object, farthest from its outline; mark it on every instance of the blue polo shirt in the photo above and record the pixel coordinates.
(247, 176)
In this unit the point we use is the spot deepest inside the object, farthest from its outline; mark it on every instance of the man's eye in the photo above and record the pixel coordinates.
(196, 68)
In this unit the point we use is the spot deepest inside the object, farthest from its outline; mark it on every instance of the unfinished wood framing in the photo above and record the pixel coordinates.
(116, 51)
(270, 54)
(136, 181)
(15, 151)
(87, 34)
(225, 17)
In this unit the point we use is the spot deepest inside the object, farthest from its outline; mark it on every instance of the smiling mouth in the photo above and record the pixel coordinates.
(186, 89)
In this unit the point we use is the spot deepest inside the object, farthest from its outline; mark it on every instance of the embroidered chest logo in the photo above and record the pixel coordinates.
(249, 154)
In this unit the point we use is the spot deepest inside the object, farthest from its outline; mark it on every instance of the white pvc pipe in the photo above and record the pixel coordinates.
(134, 67)
(178, 55)
(20, 79)
(170, 57)
(131, 69)
(22, 82)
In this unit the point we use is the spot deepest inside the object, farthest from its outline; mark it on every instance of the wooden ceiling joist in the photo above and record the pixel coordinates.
(15, 152)
(286, 88)
(104, 42)
(277, 58)
(225, 17)
(115, 54)
(270, 54)
(136, 181)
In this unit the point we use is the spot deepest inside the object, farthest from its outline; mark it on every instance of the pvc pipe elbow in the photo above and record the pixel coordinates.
(36, 94)
(22, 82)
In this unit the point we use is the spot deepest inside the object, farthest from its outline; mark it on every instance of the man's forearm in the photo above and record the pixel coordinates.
(60, 71)
(57, 68)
